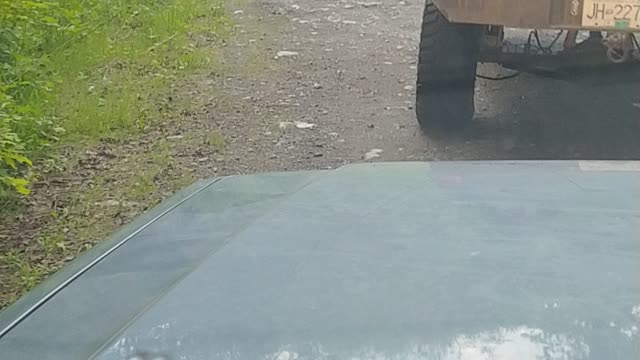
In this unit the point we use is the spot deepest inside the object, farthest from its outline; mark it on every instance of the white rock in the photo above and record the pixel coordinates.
(317, 86)
(349, 6)
(238, 12)
(349, 22)
(408, 87)
(372, 154)
(369, 4)
(285, 53)
(174, 137)
(304, 125)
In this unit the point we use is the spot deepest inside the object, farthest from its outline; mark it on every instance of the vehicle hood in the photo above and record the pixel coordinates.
(448, 260)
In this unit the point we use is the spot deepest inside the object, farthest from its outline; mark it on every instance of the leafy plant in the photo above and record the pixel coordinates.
(89, 68)
(11, 149)
(28, 29)
(26, 274)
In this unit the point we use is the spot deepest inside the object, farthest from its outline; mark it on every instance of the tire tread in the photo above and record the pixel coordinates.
(446, 71)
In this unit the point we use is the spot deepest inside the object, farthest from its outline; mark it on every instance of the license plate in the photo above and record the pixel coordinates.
(618, 14)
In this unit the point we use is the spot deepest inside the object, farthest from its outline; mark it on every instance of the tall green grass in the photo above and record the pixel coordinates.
(76, 70)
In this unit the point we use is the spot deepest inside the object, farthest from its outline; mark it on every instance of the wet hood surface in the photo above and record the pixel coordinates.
(502, 260)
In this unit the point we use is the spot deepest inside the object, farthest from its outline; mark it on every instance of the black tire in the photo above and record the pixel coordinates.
(446, 72)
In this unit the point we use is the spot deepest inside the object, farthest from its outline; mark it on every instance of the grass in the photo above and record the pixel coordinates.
(114, 83)
(215, 140)
(26, 273)
(77, 70)
(52, 243)
(89, 216)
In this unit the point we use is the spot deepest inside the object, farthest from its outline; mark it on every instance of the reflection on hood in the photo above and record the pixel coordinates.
(521, 343)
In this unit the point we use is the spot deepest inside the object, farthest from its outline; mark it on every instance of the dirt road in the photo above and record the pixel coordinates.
(348, 68)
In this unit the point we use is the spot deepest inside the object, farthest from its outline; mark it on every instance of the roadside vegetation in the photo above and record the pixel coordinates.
(75, 74)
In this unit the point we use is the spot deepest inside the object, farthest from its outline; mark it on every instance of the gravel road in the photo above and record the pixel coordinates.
(346, 70)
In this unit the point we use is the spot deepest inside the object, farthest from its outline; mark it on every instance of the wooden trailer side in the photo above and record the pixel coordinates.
(541, 14)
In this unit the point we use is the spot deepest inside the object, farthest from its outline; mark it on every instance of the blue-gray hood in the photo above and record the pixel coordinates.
(464, 260)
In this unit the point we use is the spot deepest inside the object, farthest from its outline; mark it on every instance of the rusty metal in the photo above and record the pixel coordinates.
(529, 58)
(570, 39)
(619, 47)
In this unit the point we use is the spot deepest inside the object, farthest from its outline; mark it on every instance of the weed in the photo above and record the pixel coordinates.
(183, 181)
(161, 156)
(142, 187)
(26, 274)
(215, 140)
(52, 243)
(76, 73)
(82, 70)
(9, 205)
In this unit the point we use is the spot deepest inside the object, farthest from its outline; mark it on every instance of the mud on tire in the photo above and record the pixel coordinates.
(446, 72)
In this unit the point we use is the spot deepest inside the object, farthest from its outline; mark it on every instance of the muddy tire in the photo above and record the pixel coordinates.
(446, 72)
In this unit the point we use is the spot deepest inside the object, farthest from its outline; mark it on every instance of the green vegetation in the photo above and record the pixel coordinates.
(73, 71)
(90, 214)
(215, 140)
(77, 76)
(27, 274)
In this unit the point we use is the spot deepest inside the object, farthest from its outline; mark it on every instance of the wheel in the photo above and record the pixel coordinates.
(446, 72)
